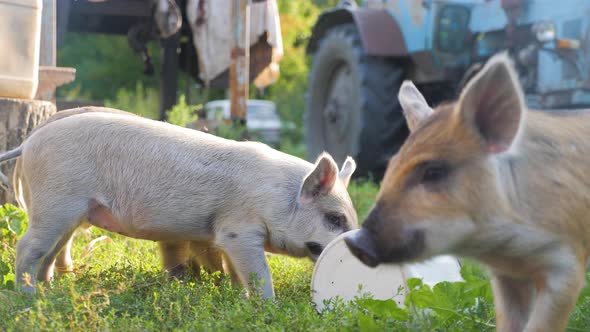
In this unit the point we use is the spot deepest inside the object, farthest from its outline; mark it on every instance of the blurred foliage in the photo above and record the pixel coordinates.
(182, 114)
(13, 223)
(105, 65)
(141, 100)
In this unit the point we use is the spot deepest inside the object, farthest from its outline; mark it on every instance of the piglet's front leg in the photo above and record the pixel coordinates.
(556, 296)
(513, 300)
(245, 251)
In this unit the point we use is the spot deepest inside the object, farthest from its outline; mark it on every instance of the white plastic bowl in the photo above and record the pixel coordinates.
(338, 273)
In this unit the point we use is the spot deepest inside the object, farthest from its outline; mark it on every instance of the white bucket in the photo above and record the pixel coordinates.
(20, 35)
(338, 273)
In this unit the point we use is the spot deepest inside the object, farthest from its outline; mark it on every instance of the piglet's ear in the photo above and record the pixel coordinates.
(321, 180)
(493, 104)
(414, 106)
(346, 171)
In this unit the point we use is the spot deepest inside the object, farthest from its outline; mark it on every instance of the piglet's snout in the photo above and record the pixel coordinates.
(362, 244)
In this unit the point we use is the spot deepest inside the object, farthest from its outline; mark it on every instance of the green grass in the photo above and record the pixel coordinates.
(119, 286)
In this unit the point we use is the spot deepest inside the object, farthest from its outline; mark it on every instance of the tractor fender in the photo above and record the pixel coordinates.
(379, 31)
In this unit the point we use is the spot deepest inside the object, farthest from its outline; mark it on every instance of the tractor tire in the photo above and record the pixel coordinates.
(351, 104)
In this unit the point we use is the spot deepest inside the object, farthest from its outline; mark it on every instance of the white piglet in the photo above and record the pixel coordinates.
(203, 198)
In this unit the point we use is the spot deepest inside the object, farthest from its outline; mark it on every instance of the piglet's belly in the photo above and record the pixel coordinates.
(101, 216)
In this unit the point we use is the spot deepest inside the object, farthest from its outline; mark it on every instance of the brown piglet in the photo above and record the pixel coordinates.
(485, 178)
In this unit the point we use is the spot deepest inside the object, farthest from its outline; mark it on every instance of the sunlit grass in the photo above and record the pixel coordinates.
(118, 285)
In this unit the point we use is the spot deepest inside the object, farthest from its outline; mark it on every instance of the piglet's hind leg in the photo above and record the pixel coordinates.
(49, 230)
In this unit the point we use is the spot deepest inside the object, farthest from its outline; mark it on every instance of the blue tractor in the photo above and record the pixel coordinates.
(362, 53)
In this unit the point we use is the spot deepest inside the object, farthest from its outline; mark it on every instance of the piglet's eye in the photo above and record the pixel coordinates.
(335, 220)
(434, 172)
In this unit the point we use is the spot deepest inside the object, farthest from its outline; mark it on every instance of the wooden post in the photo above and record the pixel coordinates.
(169, 78)
(51, 76)
(239, 76)
(47, 52)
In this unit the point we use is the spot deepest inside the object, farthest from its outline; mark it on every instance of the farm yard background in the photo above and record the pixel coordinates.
(118, 282)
